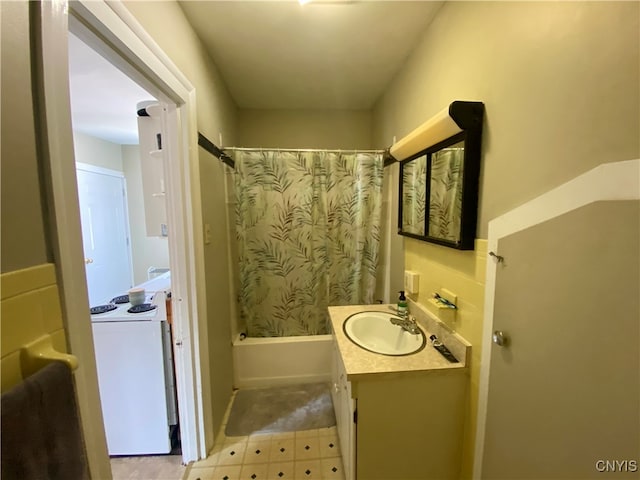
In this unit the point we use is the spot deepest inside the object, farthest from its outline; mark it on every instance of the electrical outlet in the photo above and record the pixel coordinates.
(411, 282)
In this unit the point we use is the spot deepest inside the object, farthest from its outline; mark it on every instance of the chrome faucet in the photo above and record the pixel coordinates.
(408, 323)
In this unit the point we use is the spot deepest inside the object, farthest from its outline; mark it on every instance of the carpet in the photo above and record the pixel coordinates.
(281, 409)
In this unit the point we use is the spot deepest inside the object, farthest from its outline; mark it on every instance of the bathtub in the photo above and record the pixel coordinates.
(266, 362)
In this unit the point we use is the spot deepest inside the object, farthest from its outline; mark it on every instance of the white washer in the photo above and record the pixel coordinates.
(136, 377)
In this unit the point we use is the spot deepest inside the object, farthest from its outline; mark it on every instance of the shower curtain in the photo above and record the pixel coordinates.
(445, 205)
(308, 231)
(414, 202)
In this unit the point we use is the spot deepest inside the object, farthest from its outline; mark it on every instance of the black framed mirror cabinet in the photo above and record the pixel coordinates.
(438, 185)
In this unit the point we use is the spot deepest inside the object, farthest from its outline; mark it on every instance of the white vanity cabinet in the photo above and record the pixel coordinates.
(396, 421)
(344, 407)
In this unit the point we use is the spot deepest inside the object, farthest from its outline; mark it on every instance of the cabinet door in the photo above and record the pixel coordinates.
(336, 389)
(348, 445)
(153, 184)
(344, 407)
(337, 394)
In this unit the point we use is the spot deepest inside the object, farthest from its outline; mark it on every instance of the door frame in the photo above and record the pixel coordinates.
(134, 51)
(87, 167)
(608, 181)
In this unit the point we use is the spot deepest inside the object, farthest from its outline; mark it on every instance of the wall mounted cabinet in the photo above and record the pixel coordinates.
(439, 177)
(153, 182)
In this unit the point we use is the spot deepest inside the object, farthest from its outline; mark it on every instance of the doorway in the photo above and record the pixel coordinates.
(133, 347)
(111, 29)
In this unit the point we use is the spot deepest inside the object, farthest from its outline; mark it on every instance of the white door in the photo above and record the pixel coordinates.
(562, 390)
(105, 233)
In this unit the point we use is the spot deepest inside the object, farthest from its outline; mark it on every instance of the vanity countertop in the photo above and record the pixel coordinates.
(362, 364)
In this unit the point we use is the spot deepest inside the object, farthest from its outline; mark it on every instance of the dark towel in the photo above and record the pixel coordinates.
(41, 436)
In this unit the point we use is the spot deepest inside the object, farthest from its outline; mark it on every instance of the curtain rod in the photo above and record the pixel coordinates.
(245, 149)
(387, 157)
(211, 147)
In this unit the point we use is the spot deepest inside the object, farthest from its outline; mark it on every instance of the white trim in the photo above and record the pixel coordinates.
(188, 332)
(159, 59)
(117, 26)
(609, 181)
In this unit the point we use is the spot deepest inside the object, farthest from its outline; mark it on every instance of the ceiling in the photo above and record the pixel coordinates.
(321, 55)
(327, 54)
(103, 99)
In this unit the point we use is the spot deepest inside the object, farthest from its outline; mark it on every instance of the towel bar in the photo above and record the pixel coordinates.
(40, 352)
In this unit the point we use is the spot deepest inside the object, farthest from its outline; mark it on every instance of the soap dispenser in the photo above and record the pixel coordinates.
(402, 304)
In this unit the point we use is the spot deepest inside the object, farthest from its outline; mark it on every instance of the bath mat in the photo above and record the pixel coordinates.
(281, 409)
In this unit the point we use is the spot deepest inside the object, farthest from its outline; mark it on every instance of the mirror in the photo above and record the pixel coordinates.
(445, 192)
(414, 201)
(439, 192)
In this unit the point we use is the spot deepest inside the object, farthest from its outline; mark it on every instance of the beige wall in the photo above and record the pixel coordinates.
(216, 114)
(97, 152)
(332, 129)
(559, 81)
(23, 227)
(560, 84)
(219, 284)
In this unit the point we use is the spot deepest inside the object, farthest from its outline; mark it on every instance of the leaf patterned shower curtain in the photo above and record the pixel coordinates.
(308, 231)
(445, 205)
(414, 202)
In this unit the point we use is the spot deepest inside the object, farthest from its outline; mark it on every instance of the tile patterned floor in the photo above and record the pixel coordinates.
(307, 454)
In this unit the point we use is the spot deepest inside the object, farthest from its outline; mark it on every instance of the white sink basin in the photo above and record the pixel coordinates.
(374, 331)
